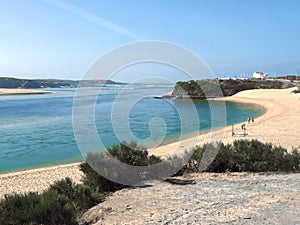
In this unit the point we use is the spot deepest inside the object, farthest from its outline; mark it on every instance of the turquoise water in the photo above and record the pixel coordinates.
(36, 130)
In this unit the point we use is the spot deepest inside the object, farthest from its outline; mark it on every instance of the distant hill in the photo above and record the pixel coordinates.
(9, 82)
(211, 88)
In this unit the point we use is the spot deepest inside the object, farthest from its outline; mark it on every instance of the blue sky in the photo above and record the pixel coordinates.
(61, 39)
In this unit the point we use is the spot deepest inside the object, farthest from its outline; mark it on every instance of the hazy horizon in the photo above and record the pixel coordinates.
(61, 39)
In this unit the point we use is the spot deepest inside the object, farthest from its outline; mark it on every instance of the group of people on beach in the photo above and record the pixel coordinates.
(250, 120)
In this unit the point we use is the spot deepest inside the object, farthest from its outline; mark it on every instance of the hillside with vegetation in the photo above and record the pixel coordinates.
(218, 88)
(9, 82)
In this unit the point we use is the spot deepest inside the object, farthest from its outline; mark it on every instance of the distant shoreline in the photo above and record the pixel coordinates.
(20, 91)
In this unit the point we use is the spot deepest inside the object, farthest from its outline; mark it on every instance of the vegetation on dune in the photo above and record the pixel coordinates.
(246, 156)
(231, 87)
(219, 88)
(64, 201)
(61, 204)
(129, 153)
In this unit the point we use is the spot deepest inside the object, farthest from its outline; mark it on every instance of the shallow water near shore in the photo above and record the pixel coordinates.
(36, 130)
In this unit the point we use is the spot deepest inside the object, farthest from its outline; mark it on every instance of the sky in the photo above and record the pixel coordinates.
(62, 38)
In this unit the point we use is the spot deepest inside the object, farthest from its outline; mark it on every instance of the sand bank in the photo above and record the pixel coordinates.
(19, 91)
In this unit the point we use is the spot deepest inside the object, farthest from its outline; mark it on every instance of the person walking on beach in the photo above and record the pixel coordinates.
(243, 126)
(252, 120)
(248, 119)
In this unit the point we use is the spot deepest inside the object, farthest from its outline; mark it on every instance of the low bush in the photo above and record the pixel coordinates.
(129, 153)
(246, 156)
(48, 208)
(81, 196)
(61, 204)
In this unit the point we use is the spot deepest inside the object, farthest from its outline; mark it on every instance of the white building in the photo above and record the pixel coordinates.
(260, 75)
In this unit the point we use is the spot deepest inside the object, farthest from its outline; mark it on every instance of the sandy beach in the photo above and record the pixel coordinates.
(19, 91)
(37, 180)
(279, 124)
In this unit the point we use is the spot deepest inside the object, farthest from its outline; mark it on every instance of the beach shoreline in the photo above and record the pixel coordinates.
(20, 91)
(170, 140)
(277, 125)
(270, 126)
(167, 147)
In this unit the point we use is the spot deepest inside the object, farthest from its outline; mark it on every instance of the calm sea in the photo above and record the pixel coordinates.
(36, 130)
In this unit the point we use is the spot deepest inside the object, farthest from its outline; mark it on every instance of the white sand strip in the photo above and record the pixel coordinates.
(19, 91)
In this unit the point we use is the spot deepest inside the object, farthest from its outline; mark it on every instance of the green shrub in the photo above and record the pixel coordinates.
(240, 156)
(129, 153)
(211, 88)
(246, 156)
(81, 196)
(54, 208)
(61, 204)
(48, 208)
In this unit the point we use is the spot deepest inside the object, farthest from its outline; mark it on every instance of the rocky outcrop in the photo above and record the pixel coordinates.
(197, 89)
(219, 88)
(234, 198)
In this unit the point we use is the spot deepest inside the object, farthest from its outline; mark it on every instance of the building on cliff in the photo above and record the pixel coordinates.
(260, 75)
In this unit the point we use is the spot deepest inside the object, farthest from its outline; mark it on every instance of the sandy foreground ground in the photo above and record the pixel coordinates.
(236, 198)
(18, 91)
(215, 198)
